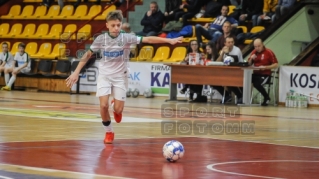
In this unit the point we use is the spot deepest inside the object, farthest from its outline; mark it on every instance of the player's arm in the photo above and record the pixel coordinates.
(23, 66)
(73, 78)
(158, 40)
(3, 63)
(272, 66)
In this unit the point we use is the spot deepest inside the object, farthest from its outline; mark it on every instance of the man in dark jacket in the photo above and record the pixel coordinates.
(171, 8)
(152, 21)
(251, 9)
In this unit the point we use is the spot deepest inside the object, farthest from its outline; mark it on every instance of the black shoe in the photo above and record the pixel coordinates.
(266, 102)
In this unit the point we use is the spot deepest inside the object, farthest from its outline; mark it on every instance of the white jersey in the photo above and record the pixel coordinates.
(115, 52)
(236, 52)
(22, 59)
(6, 58)
(195, 59)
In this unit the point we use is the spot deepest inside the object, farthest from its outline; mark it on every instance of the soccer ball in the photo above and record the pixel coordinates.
(148, 93)
(228, 60)
(173, 151)
(135, 93)
(128, 93)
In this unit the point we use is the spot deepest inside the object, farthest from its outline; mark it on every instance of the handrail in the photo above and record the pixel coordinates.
(100, 29)
(305, 53)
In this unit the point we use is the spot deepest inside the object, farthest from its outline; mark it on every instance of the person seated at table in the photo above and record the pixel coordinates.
(193, 57)
(231, 50)
(211, 55)
(265, 59)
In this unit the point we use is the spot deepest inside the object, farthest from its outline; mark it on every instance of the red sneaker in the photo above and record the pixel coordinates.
(117, 117)
(109, 137)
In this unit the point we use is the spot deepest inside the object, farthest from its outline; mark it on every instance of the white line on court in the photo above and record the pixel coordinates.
(83, 175)
(3, 177)
(211, 167)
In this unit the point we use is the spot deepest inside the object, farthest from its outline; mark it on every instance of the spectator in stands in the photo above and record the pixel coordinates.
(226, 32)
(126, 27)
(268, 11)
(214, 31)
(171, 8)
(193, 7)
(48, 3)
(24, 66)
(266, 60)
(152, 21)
(282, 8)
(231, 50)
(213, 7)
(251, 9)
(6, 60)
(193, 57)
(78, 2)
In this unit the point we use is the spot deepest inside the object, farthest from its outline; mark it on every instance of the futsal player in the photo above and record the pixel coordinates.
(7, 60)
(113, 67)
(24, 66)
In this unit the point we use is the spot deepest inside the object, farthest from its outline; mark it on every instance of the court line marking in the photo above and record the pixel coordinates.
(4, 177)
(61, 172)
(211, 167)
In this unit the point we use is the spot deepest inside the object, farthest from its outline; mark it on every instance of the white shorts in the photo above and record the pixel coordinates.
(116, 86)
(25, 70)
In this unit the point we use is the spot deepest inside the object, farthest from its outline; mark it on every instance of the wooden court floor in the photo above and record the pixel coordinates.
(52, 135)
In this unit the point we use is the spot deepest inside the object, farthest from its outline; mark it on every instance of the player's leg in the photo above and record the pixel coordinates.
(103, 92)
(120, 85)
(1, 70)
(7, 78)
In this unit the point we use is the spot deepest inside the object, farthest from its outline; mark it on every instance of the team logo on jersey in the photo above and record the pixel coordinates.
(120, 43)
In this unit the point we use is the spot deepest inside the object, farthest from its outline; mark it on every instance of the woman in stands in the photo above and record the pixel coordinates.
(194, 57)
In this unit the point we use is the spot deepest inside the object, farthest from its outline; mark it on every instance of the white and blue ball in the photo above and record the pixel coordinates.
(173, 151)
(228, 60)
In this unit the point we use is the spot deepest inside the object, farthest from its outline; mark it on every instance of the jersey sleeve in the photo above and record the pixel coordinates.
(2, 57)
(273, 58)
(132, 39)
(97, 43)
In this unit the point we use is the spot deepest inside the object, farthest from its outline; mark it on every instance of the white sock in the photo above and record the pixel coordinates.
(108, 128)
(12, 80)
(6, 78)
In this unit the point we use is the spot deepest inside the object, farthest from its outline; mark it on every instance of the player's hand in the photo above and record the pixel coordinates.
(225, 49)
(253, 57)
(243, 17)
(149, 13)
(176, 40)
(181, 6)
(170, 13)
(165, 14)
(72, 79)
(262, 68)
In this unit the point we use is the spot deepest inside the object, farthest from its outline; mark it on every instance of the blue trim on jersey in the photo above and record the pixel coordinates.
(113, 54)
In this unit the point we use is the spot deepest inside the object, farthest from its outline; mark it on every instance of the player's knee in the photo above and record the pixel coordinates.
(14, 73)
(118, 109)
(6, 71)
(104, 107)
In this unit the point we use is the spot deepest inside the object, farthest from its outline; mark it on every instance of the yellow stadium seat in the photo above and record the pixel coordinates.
(80, 11)
(69, 29)
(31, 48)
(85, 32)
(178, 55)
(15, 30)
(94, 10)
(39, 12)
(26, 12)
(55, 32)
(162, 53)
(66, 11)
(58, 52)
(14, 11)
(244, 28)
(253, 30)
(52, 13)
(44, 50)
(231, 9)
(32, 0)
(4, 29)
(15, 48)
(28, 31)
(146, 53)
(1, 46)
(42, 30)
(202, 20)
(105, 13)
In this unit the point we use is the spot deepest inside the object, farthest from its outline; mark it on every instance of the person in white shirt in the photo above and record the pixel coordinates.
(126, 27)
(6, 59)
(24, 66)
(114, 47)
(231, 50)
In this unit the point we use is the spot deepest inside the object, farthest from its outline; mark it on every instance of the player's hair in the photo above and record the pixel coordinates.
(155, 3)
(114, 15)
(5, 43)
(21, 45)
